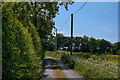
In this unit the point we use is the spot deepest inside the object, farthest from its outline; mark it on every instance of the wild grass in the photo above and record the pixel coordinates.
(52, 54)
(91, 68)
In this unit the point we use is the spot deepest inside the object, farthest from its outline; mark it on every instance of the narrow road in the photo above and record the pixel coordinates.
(48, 70)
(51, 74)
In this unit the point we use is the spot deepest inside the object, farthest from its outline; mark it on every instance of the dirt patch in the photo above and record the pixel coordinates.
(57, 70)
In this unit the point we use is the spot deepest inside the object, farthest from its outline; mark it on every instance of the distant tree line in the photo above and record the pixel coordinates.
(87, 45)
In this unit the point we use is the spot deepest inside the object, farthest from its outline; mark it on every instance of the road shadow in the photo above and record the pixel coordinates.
(62, 65)
(47, 65)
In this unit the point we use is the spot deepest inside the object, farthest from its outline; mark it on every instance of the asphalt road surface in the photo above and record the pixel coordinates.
(50, 74)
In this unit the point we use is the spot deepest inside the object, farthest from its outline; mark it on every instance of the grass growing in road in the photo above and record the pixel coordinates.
(57, 70)
(52, 54)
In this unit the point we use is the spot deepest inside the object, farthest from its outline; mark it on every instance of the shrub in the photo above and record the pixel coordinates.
(68, 61)
(36, 40)
(20, 49)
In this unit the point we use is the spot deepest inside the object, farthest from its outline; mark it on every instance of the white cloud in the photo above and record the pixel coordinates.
(61, 32)
(106, 29)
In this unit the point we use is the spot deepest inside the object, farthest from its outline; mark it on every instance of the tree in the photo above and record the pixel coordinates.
(116, 48)
(93, 43)
(22, 52)
(42, 18)
(85, 46)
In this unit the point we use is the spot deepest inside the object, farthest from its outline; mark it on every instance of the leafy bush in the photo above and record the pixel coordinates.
(64, 57)
(20, 57)
(36, 40)
(68, 61)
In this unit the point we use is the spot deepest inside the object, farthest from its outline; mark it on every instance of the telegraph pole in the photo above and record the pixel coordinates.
(71, 32)
(56, 40)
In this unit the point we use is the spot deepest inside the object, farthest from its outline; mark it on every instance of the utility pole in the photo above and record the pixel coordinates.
(56, 40)
(71, 32)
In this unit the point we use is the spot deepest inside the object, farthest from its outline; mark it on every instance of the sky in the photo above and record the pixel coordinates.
(95, 19)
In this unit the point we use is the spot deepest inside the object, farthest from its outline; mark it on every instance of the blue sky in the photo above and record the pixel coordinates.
(95, 19)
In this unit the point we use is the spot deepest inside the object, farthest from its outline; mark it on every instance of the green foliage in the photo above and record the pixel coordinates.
(43, 14)
(52, 54)
(36, 40)
(82, 55)
(22, 52)
(90, 68)
(68, 61)
(61, 55)
(87, 45)
(50, 43)
(25, 27)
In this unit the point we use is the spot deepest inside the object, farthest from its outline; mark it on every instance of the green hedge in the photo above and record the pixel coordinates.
(36, 40)
(21, 48)
(68, 61)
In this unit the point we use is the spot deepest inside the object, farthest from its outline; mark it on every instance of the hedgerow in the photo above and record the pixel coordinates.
(22, 52)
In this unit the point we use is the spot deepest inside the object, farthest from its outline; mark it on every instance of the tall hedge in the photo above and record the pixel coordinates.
(22, 52)
(36, 40)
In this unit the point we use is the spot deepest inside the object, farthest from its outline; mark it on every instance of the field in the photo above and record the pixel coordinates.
(89, 65)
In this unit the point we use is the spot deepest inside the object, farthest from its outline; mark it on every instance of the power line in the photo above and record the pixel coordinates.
(73, 13)
(64, 23)
(81, 7)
